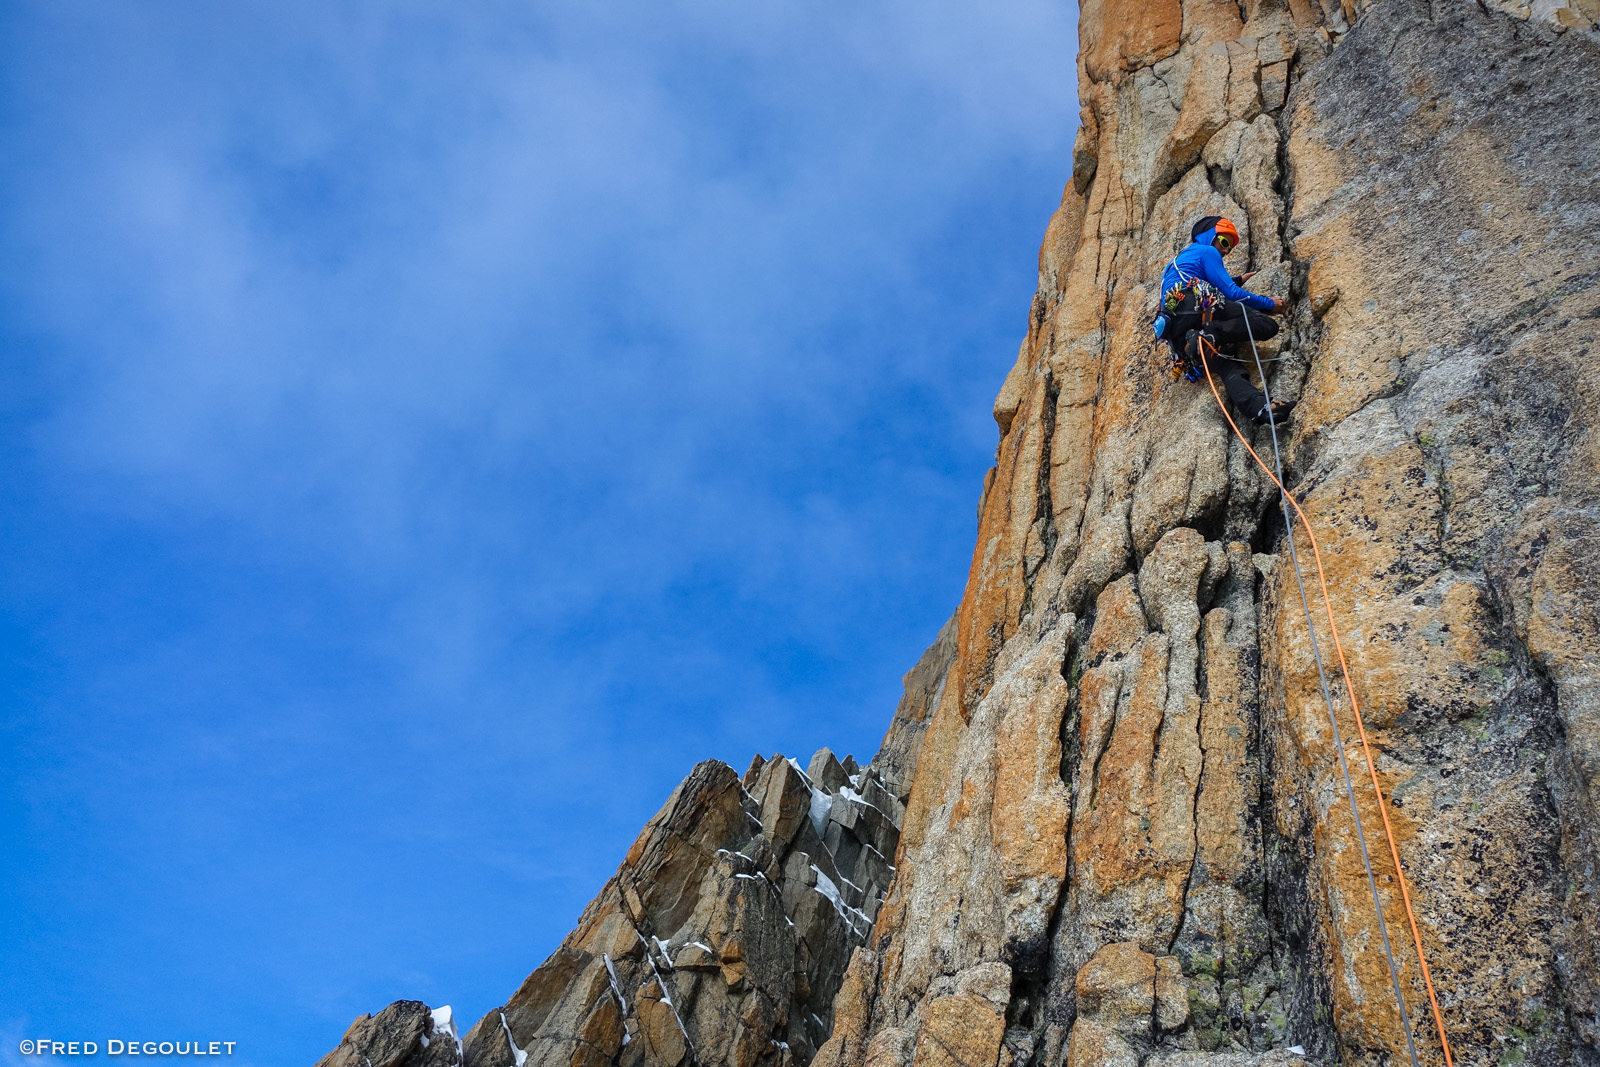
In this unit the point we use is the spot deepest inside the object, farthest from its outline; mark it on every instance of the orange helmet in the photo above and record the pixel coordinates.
(1227, 233)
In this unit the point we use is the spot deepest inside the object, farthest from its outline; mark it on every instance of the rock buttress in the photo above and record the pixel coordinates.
(1128, 840)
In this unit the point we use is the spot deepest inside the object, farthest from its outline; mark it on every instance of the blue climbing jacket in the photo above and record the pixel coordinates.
(1201, 259)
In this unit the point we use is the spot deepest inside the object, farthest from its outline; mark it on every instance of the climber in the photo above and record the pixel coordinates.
(1194, 284)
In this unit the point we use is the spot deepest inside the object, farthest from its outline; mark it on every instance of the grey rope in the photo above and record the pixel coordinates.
(1327, 695)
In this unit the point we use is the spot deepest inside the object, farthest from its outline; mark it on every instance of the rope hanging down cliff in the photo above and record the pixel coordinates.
(1287, 499)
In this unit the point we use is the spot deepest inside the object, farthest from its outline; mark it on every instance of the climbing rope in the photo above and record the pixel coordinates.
(1287, 500)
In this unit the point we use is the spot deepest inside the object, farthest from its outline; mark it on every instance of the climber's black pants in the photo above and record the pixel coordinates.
(1247, 399)
(1228, 327)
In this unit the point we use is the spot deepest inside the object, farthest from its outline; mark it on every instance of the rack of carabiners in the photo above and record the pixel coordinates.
(1186, 360)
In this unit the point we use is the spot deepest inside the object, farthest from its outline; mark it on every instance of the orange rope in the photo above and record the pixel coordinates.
(1372, 769)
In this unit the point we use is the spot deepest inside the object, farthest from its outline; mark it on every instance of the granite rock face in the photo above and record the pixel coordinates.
(1129, 793)
(722, 939)
(1112, 796)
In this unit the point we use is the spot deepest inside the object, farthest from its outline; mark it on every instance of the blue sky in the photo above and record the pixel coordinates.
(429, 429)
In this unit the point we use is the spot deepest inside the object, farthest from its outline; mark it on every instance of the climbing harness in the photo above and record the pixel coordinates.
(1286, 500)
(1207, 299)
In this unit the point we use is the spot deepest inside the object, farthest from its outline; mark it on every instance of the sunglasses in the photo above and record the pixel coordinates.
(1227, 243)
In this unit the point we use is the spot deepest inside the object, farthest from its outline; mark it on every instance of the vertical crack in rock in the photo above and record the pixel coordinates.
(1042, 538)
(1194, 864)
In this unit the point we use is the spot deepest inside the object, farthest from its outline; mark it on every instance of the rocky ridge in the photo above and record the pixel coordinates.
(722, 938)
(1125, 837)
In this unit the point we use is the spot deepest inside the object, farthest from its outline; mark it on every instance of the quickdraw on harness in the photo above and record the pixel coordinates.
(1207, 300)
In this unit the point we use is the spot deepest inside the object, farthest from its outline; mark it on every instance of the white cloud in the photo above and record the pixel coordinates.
(579, 375)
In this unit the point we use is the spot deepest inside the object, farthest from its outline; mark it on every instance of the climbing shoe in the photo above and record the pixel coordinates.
(1280, 412)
